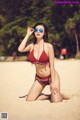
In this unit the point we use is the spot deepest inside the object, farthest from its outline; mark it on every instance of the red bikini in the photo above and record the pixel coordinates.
(44, 80)
(44, 59)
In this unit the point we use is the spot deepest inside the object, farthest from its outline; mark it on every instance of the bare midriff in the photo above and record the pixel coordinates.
(42, 70)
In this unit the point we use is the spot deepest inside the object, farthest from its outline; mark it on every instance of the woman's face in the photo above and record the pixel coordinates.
(39, 31)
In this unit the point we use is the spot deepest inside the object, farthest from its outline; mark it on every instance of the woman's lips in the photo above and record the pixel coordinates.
(38, 34)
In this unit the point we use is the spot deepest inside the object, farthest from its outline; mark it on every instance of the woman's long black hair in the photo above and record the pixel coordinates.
(45, 37)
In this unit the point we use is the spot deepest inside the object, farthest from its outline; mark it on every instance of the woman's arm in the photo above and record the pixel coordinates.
(22, 47)
(51, 62)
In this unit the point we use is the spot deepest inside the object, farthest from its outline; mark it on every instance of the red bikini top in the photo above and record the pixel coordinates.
(42, 60)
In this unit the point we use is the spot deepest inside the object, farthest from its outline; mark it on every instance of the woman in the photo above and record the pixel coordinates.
(42, 55)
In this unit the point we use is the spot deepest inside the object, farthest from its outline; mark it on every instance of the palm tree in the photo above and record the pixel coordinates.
(70, 27)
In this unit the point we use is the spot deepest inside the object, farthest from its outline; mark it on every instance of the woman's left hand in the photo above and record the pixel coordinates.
(53, 88)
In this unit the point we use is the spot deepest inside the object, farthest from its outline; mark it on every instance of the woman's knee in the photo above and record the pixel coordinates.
(53, 100)
(56, 96)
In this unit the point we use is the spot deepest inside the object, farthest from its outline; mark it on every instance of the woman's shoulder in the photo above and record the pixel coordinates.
(31, 44)
(49, 45)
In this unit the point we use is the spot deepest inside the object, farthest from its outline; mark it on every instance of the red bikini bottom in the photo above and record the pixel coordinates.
(44, 80)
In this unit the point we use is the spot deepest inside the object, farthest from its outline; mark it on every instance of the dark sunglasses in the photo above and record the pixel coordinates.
(40, 30)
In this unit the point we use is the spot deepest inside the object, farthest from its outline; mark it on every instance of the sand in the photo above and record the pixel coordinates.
(16, 79)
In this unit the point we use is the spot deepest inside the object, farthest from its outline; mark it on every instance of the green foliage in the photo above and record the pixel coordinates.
(1, 50)
(71, 22)
(17, 15)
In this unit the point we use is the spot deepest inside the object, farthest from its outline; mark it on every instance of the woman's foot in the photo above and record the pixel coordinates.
(44, 97)
(23, 96)
(67, 97)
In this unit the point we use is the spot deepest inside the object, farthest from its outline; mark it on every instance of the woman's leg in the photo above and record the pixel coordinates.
(35, 91)
(44, 97)
(56, 96)
(41, 97)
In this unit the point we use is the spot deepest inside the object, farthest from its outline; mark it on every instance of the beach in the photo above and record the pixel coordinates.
(16, 79)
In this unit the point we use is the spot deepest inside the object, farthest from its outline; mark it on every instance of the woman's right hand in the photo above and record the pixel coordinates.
(30, 31)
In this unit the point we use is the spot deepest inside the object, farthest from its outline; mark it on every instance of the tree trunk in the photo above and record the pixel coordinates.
(77, 43)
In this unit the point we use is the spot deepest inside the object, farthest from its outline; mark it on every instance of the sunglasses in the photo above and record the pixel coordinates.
(40, 30)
